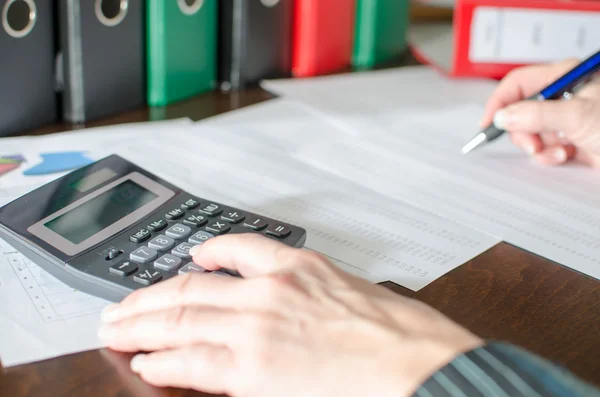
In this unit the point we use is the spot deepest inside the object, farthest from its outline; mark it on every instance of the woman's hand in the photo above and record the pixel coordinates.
(294, 326)
(554, 131)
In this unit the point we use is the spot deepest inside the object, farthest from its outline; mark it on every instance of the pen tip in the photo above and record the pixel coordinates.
(473, 143)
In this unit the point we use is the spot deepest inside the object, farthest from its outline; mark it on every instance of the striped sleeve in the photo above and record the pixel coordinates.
(502, 370)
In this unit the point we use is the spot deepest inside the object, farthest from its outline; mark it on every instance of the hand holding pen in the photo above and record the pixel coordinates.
(552, 131)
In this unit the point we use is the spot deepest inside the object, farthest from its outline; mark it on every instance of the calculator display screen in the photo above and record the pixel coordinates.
(94, 215)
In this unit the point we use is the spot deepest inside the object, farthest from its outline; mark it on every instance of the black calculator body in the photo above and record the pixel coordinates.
(112, 227)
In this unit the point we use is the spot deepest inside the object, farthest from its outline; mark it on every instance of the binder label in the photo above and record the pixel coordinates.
(519, 36)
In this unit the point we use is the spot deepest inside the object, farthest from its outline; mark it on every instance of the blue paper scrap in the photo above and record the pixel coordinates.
(58, 162)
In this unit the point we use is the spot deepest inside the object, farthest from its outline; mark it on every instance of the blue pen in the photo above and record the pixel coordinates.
(561, 88)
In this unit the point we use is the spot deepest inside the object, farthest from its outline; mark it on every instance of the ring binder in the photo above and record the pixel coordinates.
(102, 45)
(27, 97)
(489, 38)
(323, 36)
(18, 17)
(181, 49)
(111, 12)
(190, 7)
(255, 41)
(380, 32)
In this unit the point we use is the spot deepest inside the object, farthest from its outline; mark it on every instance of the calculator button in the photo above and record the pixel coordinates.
(233, 216)
(190, 204)
(168, 263)
(174, 214)
(279, 231)
(195, 220)
(161, 243)
(148, 277)
(178, 231)
(211, 209)
(192, 268)
(255, 223)
(158, 225)
(183, 250)
(123, 268)
(218, 227)
(143, 255)
(140, 236)
(201, 237)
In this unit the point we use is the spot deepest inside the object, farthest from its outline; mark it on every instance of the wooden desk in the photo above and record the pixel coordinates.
(505, 294)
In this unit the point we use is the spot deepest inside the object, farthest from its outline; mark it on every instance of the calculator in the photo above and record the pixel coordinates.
(111, 227)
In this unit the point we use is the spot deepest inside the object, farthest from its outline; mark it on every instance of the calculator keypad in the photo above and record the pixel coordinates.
(159, 247)
(233, 216)
(190, 204)
(161, 243)
(143, 255)
(174, 214)
(196, 220)
(255, 223)
(211, 209)
(200, 237)
(178, 231)
(140, 236)
(183, 250)
(157, 226)
(124, 268)
(168, 263)
(218, 228)
(191, 267)
(279, 231)
(148, 277)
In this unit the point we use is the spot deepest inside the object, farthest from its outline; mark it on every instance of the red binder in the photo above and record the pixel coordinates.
(489, 38)
(323, 36)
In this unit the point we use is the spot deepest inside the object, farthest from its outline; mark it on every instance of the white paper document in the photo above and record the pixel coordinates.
(388, 239)
(411, 152)
(41, 317)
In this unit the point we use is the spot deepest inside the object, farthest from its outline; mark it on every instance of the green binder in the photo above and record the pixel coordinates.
(182, 43)
(380, 31)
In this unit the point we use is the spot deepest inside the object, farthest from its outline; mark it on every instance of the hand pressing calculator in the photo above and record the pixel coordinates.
(112, 227)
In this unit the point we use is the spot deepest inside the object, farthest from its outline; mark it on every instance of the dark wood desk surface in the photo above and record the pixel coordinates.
(504, 294)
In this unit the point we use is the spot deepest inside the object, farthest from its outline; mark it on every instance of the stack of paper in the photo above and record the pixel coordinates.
(406, 129)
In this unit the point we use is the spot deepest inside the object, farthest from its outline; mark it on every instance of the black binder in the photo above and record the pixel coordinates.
(255, 41)
(102, 46)
(27, 58)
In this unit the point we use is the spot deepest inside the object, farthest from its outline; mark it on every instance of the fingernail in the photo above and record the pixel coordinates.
(530, 149)
(195, 249)
(110, 313)
(560, 155)
(136, 363)
(502, 119)
(107, 332)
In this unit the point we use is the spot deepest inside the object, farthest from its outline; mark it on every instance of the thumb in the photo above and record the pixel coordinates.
(542, 116)
(250, 255)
